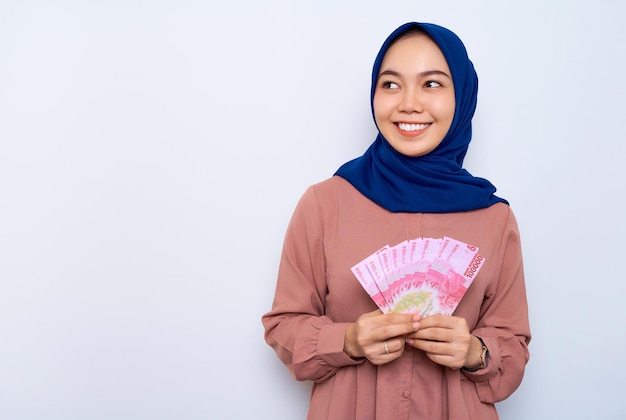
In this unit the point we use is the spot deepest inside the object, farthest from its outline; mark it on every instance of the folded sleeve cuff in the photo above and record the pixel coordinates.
(330, 345)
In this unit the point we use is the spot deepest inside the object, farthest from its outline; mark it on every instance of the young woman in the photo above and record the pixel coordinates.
(366, 364)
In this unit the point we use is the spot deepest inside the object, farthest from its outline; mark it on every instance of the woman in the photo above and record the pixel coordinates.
(366, 364)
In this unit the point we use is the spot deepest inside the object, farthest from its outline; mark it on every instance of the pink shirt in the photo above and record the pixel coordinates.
(333, 228)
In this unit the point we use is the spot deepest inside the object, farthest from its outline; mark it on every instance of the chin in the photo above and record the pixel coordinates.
(410, 152)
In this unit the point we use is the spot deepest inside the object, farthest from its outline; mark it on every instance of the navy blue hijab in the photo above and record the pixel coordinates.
(435, 182)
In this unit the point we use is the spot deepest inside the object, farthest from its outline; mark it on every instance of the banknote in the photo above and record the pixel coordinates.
(364, 277)
(423, 275)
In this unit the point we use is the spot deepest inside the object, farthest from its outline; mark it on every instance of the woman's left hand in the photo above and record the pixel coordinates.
(446, 341)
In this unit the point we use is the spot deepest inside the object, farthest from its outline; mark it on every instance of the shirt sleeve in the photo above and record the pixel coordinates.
(307, 341)
(503, 324)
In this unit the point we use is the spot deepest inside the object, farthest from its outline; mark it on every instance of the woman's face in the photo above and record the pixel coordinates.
(414, 96)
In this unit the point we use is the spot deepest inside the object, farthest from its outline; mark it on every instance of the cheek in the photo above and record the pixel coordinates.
(379, 110)
(443, 110)
(449, 108)
(383, 107)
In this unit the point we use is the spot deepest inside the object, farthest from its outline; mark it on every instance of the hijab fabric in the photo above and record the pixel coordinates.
(435, 182)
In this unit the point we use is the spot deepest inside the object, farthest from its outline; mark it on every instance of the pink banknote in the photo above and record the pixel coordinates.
(367, 281)
(424, 275)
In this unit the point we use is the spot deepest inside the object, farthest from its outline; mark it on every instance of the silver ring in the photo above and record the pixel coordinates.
(386, 348)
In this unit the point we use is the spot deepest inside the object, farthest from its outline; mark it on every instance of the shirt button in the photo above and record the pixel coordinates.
(406, 393)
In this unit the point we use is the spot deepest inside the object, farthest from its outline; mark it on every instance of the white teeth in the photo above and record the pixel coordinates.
(412, 127)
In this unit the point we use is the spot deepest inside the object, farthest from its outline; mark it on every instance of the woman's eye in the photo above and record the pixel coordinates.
(432, 84)
(390, 85)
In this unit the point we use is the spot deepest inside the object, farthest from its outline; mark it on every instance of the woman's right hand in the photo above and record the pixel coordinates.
(379, 337)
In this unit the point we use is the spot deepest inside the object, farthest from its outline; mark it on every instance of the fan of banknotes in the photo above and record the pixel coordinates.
(424, 275)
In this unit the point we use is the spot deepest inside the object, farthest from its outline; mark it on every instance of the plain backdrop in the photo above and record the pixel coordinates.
(152, 152)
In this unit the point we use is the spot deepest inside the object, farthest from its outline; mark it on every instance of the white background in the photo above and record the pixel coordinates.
(151, 154)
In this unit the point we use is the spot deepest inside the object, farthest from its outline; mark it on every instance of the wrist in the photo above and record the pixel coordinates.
(348, 343)
(477, 357)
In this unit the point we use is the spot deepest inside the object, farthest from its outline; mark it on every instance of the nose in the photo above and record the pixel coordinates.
(411, 101)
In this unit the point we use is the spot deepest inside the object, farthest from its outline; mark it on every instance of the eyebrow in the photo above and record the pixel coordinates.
(422, 74)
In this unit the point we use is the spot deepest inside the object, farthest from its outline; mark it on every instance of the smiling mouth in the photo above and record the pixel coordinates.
(412, 127)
